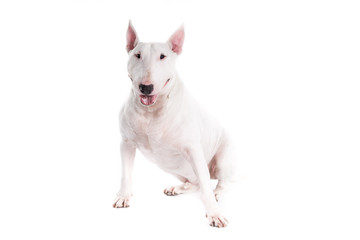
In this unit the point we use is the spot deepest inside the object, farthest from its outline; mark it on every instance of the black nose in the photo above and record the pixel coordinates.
(146, 89)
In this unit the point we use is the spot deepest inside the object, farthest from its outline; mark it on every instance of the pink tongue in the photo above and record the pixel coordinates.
(148, 100)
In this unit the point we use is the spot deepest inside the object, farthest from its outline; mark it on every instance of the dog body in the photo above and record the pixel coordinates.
(168, 126)
(164, 135)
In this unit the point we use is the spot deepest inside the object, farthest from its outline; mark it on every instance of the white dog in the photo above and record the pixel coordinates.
(167, 125)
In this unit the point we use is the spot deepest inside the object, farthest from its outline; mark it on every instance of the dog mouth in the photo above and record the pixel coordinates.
(148, 99)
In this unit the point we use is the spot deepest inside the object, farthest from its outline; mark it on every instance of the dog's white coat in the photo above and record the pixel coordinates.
(175, 132)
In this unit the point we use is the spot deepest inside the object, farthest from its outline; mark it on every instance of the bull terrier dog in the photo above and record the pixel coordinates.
(163, 121)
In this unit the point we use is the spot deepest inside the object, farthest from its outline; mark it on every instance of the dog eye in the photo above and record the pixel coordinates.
(162, 56)
(138, 55)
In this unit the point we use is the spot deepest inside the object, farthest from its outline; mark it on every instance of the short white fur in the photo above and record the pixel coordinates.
(174, 132)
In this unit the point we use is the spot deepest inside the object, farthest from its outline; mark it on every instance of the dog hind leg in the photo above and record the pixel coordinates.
(222, 167)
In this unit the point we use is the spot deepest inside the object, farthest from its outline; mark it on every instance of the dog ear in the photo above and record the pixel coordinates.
(131, 38)
(176, 40)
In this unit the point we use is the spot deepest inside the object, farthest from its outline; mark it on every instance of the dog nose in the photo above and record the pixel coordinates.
(146, 89)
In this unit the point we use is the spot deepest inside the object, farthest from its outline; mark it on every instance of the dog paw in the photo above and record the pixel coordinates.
(218, 194)
(217, 221)
(172, 191)
(121, 202)
(180, 189)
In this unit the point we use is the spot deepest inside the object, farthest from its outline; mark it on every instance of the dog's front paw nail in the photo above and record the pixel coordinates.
(217, 221)
(121, 202)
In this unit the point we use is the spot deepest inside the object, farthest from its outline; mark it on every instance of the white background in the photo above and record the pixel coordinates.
(282, 76)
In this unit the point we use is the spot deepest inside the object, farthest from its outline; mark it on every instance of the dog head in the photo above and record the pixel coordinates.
(151, 66)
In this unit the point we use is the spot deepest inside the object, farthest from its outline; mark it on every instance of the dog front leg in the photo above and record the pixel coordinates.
(197, 160)
(128, 151)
